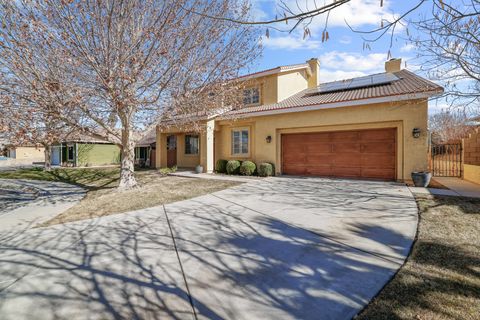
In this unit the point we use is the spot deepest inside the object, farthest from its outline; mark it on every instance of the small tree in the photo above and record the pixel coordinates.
(125, 61)
(448, 126)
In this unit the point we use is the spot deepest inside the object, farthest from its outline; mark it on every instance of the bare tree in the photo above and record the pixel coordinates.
(449, 46)
(450, 125)
(127, 60)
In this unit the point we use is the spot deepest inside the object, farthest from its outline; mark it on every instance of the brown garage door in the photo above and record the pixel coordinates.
(350, 154)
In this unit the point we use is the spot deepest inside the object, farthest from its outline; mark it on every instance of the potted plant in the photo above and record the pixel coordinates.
(421, 178)
(198, 169)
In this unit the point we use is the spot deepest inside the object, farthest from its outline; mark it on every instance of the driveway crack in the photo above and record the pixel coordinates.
(190, 298)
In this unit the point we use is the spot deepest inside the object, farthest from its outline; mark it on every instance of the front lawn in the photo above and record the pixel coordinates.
(441, 278)
(104, 199)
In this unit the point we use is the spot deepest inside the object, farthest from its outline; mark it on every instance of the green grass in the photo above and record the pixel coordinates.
(89, 178)
(441, 278)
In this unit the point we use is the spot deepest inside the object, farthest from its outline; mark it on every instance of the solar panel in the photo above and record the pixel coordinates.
(361, 82)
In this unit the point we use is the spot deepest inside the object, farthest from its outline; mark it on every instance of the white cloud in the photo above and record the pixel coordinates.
(290, 42)
(357, 13)
(345, 40)
(407, 47)
(337, 65)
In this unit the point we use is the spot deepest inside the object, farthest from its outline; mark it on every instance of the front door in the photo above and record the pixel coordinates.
(171, 151)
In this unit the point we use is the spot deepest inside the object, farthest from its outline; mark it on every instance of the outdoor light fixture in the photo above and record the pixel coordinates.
(269, 139)
(416, 132)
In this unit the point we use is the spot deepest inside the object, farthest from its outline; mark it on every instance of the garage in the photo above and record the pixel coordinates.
(369, 154)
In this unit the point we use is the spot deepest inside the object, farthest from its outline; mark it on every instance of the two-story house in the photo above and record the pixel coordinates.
(367, 127)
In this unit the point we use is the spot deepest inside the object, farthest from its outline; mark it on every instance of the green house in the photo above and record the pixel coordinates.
(85, 152)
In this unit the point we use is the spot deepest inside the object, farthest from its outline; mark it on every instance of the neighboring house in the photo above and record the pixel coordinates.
(367, 127)
(145, 150)
(26, 152)
(85, 151)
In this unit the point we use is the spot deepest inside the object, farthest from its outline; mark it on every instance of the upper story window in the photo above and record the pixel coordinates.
(251, 96)
(240, 141)
(191, 144)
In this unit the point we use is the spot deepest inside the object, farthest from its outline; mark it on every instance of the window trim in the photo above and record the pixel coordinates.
(259, 96)
(185, 146)
(240, 129)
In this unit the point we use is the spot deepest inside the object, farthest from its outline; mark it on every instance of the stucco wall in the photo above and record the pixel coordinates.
(291, 83)
(97, 154)
(30, 153)
(411, 152)
(471, 148)
(471, 173)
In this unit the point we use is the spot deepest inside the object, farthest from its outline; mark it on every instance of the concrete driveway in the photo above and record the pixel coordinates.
(280, 248)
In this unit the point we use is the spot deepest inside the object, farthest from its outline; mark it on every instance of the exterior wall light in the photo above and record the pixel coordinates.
(268, 139)
(416, 132)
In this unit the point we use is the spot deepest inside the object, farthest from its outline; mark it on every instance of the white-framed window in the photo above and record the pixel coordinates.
(240, 141)
(191, 144)
(70, 152)
(251, 96)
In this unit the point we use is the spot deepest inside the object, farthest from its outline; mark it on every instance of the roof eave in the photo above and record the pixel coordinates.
(341, 104)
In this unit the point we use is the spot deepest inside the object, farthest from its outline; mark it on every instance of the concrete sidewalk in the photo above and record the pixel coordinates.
(26, 203)
(456, 188)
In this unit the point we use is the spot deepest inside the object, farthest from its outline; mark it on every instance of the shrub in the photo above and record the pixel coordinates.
(233, 167)
(247, 168)
(221, 166)
(266, 169)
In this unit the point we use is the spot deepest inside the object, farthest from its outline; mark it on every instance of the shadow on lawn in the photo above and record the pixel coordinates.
(238, 264)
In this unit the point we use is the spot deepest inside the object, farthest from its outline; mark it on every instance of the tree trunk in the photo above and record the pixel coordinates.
(48, 158)
(127, 177)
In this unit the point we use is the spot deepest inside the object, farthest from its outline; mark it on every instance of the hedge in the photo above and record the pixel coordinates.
(221, 166)
(266, 169)
(233, 167)
(247, 168)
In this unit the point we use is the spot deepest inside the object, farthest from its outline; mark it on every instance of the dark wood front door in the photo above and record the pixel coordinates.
(348, 154)
(171, 151)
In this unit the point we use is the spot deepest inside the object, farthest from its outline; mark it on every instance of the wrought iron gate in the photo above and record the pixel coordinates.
(446, 160)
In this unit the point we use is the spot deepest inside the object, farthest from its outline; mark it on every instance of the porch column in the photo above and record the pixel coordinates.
(210, 143)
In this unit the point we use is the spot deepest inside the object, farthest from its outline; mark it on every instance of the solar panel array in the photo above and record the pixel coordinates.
(361, 82)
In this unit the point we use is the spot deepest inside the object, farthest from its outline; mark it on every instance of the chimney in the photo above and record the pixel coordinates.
(393, 65)
(313, 79)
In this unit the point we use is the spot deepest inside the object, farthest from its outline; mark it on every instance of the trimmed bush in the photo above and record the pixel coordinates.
(221, 166)
(266, 169)
(233, 167)
(247, 168)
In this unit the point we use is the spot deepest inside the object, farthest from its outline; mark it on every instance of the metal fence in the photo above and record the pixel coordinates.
(446, 160)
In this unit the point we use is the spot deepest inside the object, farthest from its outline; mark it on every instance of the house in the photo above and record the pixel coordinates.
(80, 150)
(25, 152)
(372, 127)
(145, 150)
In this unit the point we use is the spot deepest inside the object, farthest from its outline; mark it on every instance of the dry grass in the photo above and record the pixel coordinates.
(441, 278)
(104, 199)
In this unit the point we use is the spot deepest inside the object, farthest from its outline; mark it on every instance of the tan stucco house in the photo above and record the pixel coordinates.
(368, 127)
(26, 152)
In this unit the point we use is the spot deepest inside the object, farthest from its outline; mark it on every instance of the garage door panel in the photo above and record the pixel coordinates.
(321, 147)
(342, 136)
(346, 147)
(348, 160)
(377, 161)
(377, 135)
(347, 172)
(355, 154)
(376, 147)
(325, 171)
(319, 158)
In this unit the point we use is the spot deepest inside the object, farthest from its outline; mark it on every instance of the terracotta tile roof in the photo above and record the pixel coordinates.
(274, 70)
(409, 83)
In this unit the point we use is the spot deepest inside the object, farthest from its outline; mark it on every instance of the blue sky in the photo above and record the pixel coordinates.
(342, 56)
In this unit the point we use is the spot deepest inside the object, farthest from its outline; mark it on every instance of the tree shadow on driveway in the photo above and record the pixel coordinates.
(238, 264)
